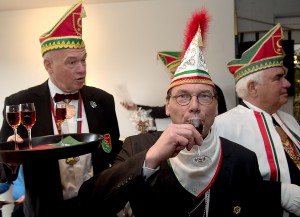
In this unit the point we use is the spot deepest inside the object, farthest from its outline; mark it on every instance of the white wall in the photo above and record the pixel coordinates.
(267, 13)
(122, 41)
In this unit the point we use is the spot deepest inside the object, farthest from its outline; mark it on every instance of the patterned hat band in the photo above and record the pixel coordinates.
(258, 66)
(191, 81)
(62, 43)
(191, 77)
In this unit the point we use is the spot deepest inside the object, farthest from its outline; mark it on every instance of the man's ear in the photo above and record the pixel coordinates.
(167, 107)
(48, 65)
(251, 86)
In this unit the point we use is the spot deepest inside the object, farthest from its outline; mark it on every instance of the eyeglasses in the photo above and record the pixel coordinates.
(185, 99)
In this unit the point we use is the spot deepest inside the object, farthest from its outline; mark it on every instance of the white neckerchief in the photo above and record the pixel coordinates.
(72, 176)
(197, 180)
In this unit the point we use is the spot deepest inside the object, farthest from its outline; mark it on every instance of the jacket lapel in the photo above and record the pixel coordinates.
(40, 96)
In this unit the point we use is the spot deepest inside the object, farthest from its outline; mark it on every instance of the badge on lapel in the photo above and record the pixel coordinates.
(237, 210)
(106, 143)
(93, 104)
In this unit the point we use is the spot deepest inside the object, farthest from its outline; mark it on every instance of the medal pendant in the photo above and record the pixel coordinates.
(72, 160)
(70, 111)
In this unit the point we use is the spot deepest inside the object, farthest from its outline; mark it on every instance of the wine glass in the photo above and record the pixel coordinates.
(60, 114)
(199, 160)
(13, 119)
(28, 118)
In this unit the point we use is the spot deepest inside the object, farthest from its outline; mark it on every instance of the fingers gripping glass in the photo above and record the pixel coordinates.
(13, 118)
(199, 159)
(185, 99)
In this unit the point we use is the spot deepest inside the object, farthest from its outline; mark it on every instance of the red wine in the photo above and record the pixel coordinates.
(28, 118)
(197, 123)
(13, 119)
(61, 114)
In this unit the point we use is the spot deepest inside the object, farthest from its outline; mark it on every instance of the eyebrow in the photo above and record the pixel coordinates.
(187, 92)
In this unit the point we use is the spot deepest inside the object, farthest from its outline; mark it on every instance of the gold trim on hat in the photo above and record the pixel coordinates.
(191, 81)
(257, 67)
(62, 45)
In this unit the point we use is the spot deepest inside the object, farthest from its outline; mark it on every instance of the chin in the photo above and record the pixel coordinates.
(284, 101)
(80, 84)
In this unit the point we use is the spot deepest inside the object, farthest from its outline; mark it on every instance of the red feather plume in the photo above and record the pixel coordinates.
(198, 18)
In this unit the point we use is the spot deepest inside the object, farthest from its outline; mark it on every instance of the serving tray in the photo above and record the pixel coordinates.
(50, 147)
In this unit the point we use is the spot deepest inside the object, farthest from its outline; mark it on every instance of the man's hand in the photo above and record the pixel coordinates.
(14, 166)
(12, 138)
(174, 139)
(20, 200)
(290, 198)
(129, 106)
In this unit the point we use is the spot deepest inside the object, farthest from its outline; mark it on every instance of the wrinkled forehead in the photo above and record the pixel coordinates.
(275, 71)
(65, 53)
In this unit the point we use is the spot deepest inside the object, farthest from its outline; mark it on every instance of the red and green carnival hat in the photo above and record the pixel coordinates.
(193, 69)
(171, 59)
(264, 54)
(67, 32)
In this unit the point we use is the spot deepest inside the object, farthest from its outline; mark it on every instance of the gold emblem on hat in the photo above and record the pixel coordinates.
(237, 210)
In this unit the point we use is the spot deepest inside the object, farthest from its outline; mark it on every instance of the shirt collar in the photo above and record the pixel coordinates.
(54, 89)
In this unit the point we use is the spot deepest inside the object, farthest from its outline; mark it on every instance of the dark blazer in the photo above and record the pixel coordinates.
(238, 184)
(42, 179)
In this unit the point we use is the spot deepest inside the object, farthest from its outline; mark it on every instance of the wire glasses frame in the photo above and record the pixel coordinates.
(185, 99)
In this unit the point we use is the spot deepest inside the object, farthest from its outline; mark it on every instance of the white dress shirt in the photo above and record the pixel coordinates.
(72, 176)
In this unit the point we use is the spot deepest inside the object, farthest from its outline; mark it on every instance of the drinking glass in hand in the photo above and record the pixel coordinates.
(13, 119)
(199, 160)
(60, 115)
(28, 118)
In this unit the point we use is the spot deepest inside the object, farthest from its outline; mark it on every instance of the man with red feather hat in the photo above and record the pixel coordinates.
(161, 174)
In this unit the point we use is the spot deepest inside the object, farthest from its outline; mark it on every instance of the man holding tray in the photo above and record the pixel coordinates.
(52, 185)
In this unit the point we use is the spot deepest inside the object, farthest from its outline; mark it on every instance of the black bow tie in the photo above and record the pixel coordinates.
(66, 97)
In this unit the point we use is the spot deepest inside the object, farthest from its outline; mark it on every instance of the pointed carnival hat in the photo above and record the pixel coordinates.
(67, 32)
(264, 54)
(193, 69)
(171, 59)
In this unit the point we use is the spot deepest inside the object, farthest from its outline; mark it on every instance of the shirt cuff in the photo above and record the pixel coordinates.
(148, 172)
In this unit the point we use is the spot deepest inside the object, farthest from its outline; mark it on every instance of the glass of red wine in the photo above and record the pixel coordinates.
(199, 160)
(28, 118)
(13, 119)
(60, 114)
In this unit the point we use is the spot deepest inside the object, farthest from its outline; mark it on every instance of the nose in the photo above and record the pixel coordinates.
(286, 83)
(194, 104)
(81, 67)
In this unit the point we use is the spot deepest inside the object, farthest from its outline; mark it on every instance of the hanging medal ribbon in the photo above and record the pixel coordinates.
(70, 113)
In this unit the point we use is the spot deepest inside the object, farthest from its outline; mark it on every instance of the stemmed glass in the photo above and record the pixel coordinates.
(60, 113)
(13, 119)
(28, 118)
(199, 160)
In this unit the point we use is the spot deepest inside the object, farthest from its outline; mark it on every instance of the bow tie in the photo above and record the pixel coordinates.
(66, 97)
